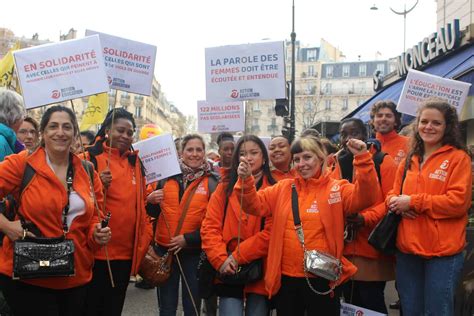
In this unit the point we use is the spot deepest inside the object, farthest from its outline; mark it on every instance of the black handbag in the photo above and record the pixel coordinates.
(206, 275)
(384, 236)
(41, 257)
(246, 273)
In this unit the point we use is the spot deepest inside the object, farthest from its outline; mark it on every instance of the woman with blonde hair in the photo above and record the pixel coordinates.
(316, 205)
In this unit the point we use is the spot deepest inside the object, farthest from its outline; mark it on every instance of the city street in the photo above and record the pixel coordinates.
(144, 302)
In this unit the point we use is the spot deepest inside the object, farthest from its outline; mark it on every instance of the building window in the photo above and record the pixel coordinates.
(308, 106)
(381, 68)
(138, 111)
(362, 70)
(310, 71)
(327, 105)
(274, 121)
(256, 107)
(311, 54)
(345, 70)
(361, 87)
(328, 88)
(345, 104)
(329, 71)
(255, 122)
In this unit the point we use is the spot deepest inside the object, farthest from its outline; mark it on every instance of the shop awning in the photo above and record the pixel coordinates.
(458, 65)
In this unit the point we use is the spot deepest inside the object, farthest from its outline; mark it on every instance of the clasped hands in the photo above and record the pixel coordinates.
(401, 205)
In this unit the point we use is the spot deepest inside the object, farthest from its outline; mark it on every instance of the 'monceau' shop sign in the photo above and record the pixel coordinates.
(431, 47)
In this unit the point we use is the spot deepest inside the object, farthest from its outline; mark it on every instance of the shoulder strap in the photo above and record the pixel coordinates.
(27, 177)
(296, 215)
(212, 182)
(295, 206)
(378, 159)
(185, 209)
(89, 166)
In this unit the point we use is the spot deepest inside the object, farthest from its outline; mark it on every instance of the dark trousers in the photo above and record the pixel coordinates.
(366, 294)
(295, 298)
(102, 298)
(168, 293)
(25, 299)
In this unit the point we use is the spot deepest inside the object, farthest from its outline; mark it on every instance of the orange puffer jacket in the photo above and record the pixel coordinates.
(172, 207)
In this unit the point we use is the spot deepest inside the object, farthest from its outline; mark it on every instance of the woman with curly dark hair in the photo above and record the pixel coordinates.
(434, 205)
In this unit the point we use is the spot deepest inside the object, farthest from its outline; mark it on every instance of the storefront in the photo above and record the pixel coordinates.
(456, 63)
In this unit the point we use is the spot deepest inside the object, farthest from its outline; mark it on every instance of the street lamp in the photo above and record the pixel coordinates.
(293, 85)
(404, 13)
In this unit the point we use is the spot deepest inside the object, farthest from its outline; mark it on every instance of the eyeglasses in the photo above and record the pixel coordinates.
(28, 131)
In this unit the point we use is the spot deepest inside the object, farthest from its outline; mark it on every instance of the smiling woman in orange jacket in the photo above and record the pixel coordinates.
(323, 204)
(42, 202)
(280, 156)
(124, 185)
(194, 184)
(434, 205)
(218, 237)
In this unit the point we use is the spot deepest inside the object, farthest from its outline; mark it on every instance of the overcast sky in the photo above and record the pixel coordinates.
(182, 29)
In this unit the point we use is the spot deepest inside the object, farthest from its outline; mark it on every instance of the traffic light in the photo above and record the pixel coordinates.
(282, 107)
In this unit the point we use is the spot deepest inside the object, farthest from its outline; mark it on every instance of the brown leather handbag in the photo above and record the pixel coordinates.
(156, 269)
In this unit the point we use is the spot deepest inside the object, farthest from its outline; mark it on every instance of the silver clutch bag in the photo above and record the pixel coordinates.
(322, 264)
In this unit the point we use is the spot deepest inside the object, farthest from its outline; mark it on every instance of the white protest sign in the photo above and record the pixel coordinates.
(353, 310)
(130, 65)
(221, 117)
(420, 86)
(245, 72)
(159, 157)
(57, 72)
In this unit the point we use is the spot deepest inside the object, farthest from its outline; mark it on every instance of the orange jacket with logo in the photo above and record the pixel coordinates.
(360, 246)
(125, 200)
(440, 193)
(42, 202)
(335, 199)
(215, 238)
(172, 208)
(394, 144)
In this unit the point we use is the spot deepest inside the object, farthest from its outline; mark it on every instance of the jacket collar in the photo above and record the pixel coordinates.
(386, 137)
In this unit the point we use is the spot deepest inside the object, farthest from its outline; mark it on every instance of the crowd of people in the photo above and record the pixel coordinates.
(256, 215)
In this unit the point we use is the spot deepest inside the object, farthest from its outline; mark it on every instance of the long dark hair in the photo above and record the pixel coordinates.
(452, 133)
(233, 176)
